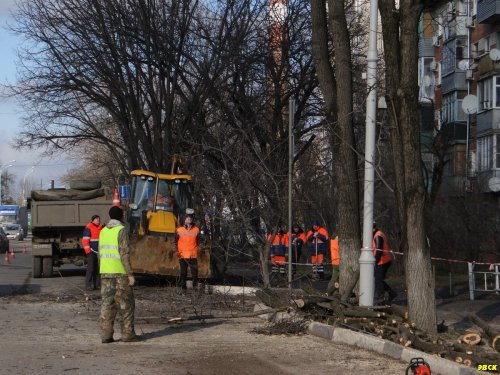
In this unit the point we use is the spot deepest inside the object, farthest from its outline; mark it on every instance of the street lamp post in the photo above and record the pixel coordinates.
(366, 259)
(1, 172)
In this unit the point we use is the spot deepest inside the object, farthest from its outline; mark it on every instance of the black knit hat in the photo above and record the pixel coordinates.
(116, 213)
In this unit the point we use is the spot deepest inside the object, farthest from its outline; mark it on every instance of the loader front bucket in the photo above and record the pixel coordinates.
(155, 255)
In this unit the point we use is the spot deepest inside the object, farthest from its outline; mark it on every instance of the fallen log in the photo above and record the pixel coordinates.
(401, 311)
(308, 301)
(467, 349)
(269, 298)
(493, 335)
(467, 359)
(210, 316)
(420, 344)
(470, 338)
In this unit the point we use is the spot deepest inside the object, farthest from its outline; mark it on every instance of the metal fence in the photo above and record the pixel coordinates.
(483, 279)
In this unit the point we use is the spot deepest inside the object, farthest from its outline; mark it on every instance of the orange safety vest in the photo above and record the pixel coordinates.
(386, 250)
(187, 244)
(279, 239)
(279, 244)
(334, 251)
(90, 240)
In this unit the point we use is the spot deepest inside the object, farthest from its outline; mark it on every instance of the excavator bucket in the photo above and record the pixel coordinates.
(153, 255)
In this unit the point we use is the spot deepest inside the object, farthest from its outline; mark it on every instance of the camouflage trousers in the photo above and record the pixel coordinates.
(117, 297)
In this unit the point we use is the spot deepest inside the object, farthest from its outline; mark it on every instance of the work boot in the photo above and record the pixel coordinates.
(391, 295)
(135, 338)
(107, 341)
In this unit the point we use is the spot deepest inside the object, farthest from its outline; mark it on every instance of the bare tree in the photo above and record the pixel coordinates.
(336, 86)
(400, 35)
(138, 69)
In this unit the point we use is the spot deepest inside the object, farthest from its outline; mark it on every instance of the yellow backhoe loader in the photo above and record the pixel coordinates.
(157, 205)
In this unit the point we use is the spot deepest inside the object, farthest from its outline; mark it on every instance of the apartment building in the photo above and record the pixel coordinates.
(459, 59)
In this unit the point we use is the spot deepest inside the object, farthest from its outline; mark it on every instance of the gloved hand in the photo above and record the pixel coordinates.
(131, 280)
(315, 234)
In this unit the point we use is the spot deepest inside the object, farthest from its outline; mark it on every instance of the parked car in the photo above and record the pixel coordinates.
(14, 231)
(4, 241)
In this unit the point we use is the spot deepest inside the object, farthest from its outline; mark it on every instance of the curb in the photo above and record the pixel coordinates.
(230, 290)
(346, 336)
(364, 341)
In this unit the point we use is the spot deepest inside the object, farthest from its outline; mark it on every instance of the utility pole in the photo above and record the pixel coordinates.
(366, 259)
(291, 117)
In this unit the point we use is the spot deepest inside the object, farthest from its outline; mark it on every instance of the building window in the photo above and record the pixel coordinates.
(452, 107)
(488, 91)
(496, 151)
(488, 152)
(426, 79)
(487, 44)
(475, 50)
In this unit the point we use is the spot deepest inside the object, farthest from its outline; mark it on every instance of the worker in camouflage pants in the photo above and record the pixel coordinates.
(117, 280)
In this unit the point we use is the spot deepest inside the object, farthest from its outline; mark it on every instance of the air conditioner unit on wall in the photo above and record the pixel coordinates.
(434, 65)
(469, 74)
(435, 41)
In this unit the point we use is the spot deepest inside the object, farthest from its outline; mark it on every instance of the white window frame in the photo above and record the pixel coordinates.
(496, 152)
(487, 44)
(488, 152)
(488, 91)
(452, 108)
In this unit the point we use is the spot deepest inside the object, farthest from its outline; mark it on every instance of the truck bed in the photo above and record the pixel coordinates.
(68, 213)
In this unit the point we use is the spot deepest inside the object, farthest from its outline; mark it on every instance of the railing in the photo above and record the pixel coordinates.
(490, 280)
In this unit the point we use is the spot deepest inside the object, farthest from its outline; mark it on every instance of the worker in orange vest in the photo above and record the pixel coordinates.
(335, 259)
(383, 260)
(279, 250)
(90, 242)
(317, 240)
(186, 240)
(298, 240)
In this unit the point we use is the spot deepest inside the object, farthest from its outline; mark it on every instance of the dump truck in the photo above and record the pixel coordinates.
(58, 219)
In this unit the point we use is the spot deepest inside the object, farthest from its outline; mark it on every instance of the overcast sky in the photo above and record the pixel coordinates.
(11, 113)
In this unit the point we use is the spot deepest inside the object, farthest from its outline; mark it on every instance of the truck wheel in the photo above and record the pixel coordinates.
(47, 266)
(37, 267)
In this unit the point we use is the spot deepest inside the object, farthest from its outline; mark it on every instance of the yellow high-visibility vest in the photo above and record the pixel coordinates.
(109, 256)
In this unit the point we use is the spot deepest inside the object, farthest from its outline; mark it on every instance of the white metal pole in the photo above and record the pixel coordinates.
(291, 116)
(366, 259)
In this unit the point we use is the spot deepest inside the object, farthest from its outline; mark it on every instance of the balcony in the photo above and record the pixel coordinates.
(486, 66)
(488, 120)
(454, 82)
(488, 181)
(488, 11)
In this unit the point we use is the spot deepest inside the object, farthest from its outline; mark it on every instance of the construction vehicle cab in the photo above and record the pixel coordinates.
(157, 204)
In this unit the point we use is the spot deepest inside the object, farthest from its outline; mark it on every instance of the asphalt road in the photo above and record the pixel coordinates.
(49, 326)
(15, 275)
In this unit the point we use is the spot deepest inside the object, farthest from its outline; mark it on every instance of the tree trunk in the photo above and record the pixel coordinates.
(344, 161)
(405, 138)
(339, 116)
